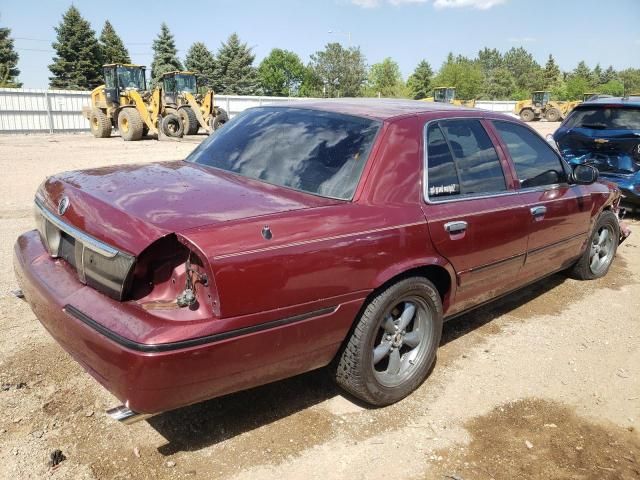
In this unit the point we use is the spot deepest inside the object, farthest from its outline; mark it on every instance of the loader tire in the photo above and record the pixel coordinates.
(189, 120)
(100, 123)
(219, 119)
(172, 126)
(553, 115)
(527, 115)
(130, 125)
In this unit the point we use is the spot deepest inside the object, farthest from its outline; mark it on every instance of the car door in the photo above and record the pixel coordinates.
(560, 212)
(476, 220)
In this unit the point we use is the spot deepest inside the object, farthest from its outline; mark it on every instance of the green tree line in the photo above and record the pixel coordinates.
(334, 71)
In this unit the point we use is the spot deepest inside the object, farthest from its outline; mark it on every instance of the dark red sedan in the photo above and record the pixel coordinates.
(334, 233)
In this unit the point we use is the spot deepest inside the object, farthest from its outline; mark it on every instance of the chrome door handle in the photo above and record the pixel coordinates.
(455, 227)
(538, 211)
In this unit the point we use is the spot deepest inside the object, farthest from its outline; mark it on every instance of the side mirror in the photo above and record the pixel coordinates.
(584, 174)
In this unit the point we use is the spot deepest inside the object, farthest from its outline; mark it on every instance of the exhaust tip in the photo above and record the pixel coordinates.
(125, 415)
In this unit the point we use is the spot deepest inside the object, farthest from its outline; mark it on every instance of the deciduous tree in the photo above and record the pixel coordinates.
(338, 71)
(385, 79)
(463, 74)
(281, 73)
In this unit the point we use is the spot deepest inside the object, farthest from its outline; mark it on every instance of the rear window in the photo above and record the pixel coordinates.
(318, 152)
(605, 118)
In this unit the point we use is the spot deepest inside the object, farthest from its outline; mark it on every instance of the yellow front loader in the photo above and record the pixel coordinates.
(181, 93)
(125, 103)
(448, 95)
(541, 106)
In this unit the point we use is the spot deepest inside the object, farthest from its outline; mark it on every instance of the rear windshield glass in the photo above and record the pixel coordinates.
(318, 152)
(605, 118)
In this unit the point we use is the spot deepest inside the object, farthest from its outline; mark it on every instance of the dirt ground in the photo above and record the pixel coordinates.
(542, 385)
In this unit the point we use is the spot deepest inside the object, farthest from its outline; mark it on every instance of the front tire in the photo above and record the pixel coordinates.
(553, 115)
(601, 249)
(189, 120)
(130, 124)
(394, 343)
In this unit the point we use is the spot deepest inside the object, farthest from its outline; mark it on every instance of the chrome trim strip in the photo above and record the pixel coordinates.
(316, 240)
(88, 241)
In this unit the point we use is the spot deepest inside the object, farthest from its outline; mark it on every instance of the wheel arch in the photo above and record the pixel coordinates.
(435, 269)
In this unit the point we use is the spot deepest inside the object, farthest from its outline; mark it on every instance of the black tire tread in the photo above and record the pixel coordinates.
(189, 120)
(347, 371)
(104, 124)
(164, 123)
(581, 270)
(135, 125)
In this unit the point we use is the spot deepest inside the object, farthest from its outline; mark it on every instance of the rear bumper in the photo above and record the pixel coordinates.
(148, 379)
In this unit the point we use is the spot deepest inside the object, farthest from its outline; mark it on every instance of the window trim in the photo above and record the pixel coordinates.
(460, 197)
(566, 168)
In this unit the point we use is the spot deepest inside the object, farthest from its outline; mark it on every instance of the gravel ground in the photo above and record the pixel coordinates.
(544, 384)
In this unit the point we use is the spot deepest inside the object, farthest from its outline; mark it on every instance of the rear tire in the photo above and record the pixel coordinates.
(189, 120)
(100, 123)
(553, 115)
(172, 126)
(130, 124)
(394, 343)
(527, 115)
(601, 249)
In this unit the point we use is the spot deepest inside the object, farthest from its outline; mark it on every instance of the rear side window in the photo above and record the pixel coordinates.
(461, 160)
(535, 161)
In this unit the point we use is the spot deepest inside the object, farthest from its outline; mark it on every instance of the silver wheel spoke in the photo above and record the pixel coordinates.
(394, 362)
(604, 236)
(412, 339)
(388, 325)
(594, 262)
(407, 315)
(381, 351)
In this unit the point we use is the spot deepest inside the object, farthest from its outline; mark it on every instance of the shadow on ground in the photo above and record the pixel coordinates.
(198, 426)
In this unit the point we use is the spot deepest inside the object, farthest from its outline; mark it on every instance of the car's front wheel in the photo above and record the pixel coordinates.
(601, 249)
(393, 345)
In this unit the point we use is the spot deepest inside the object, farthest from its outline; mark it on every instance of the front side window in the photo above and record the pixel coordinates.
(185, 83)
(461, 160)
(535, 161)
(318, 152)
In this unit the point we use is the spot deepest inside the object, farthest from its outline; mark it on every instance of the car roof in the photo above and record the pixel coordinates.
(378, 108)
(633, 101)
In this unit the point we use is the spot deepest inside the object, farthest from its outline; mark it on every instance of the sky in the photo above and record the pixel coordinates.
(405, 30)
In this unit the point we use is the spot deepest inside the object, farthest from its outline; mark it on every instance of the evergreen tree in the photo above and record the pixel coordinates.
(113, 50)
(77, 64)
(596, 76)
(234, 68)
(165, 54)
(281, 73)
(525, 70)
(419, 83)
(608, 75)
(552, 75)
(385, 79)
(489, 60)
(500, 85)
(582, 71)
(200, 60)
(8, 61)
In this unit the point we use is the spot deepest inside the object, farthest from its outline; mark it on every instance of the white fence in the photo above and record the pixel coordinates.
(24, 110)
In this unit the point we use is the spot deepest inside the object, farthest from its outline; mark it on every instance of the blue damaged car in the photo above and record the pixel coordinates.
(605, 133)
